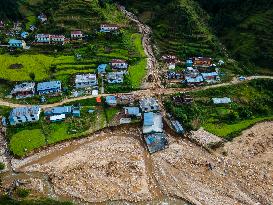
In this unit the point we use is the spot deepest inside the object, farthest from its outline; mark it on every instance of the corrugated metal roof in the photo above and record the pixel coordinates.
(148, 119)
(57, 117)
(49, 85)
(22, 111)
(197, 79)
(15, 41)
(111, 99)
(224, 100)
(132, 110)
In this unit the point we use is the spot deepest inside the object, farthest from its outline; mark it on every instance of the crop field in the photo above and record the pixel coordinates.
(28, 137)
(251, 103)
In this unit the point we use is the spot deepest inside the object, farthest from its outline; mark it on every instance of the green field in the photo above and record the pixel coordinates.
(27, 137)
(137, 73)
(26, 141)
(252, 103)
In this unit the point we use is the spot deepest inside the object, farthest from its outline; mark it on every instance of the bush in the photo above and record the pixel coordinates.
(2, 166)
(22, 193)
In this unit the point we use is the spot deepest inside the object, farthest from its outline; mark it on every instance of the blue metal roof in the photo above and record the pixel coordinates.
(101, 68)
(209, 74)
(111, 99)
(197, 79)
(148, 119)
(49, 85)
(15, 41)
(133, 110)
(22, 111)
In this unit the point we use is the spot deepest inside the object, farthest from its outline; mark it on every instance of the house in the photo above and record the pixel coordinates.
(189, 63)
(211, 77)
(118, 64)
(127, 99)
(224, 100)
(202, 61)
(49, 87)
(76, 34)
(149, 105)
(42, 38)
(198, 80)
(106, 28)
(65, 110)
(85, 80)
(57, 118)
(115, 77)
(42, 18)
(156, 142)
(24, 114)
(102, 68)
(2, 24)
(171, 66)
(170, 59)
(14, 43)
(57, 39)
(23, 90)
(32, 27)
(182, 99)
(153, 123)
(132, 111)
(24, 34)
(178, 127)
(111, 100)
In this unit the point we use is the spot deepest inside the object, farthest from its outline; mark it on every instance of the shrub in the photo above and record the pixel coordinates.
(2, 166)
(22, 192)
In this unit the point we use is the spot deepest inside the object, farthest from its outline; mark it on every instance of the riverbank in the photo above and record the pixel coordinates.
(114, 165)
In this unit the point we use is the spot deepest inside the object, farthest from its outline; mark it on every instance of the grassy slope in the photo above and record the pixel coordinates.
(252, 103)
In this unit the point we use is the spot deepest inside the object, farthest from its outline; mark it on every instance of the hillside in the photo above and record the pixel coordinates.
(179, 26)
(246, 29)
(192, 27)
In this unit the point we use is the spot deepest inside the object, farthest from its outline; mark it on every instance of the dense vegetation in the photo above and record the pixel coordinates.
(246, 28)
(252, 102)
(8, 201)
(179, 26)
(189, 27)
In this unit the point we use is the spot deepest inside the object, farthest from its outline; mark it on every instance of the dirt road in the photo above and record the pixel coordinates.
(141, 93)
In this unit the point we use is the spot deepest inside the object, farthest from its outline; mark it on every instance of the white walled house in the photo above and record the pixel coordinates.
(57, 39)
(76, 35)
(42, 38)
(14, 43)
(21, 115)
(105, 28)
(118, 64)
(85, 80)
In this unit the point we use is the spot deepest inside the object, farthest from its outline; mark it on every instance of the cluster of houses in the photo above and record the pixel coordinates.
(82, 81)
(148, 109)
(20, 115)
(25, 90)
(199, 70)
(45, 39)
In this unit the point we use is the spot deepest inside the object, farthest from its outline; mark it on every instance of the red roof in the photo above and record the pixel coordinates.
(76, 32)
(98, 99)
(118, 61)
(57, 36)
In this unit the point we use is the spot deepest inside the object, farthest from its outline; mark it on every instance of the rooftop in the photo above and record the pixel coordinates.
(224, 100)
(156, 142)
(21, 111)
(76, 32)
(153, 123)
(49, 85)
(85, 78)
(23, 87)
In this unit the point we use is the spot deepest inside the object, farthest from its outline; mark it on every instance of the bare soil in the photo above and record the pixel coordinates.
(114, 165)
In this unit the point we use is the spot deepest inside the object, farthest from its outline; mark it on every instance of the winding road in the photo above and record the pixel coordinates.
(149, 92)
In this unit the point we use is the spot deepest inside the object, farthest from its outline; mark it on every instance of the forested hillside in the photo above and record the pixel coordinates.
(245, 27)
(9, 9)
(179, 26)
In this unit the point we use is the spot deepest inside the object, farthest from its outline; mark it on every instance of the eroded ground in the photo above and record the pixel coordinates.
(114, 165)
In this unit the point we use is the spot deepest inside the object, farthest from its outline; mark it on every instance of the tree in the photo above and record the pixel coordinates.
(32, 76)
